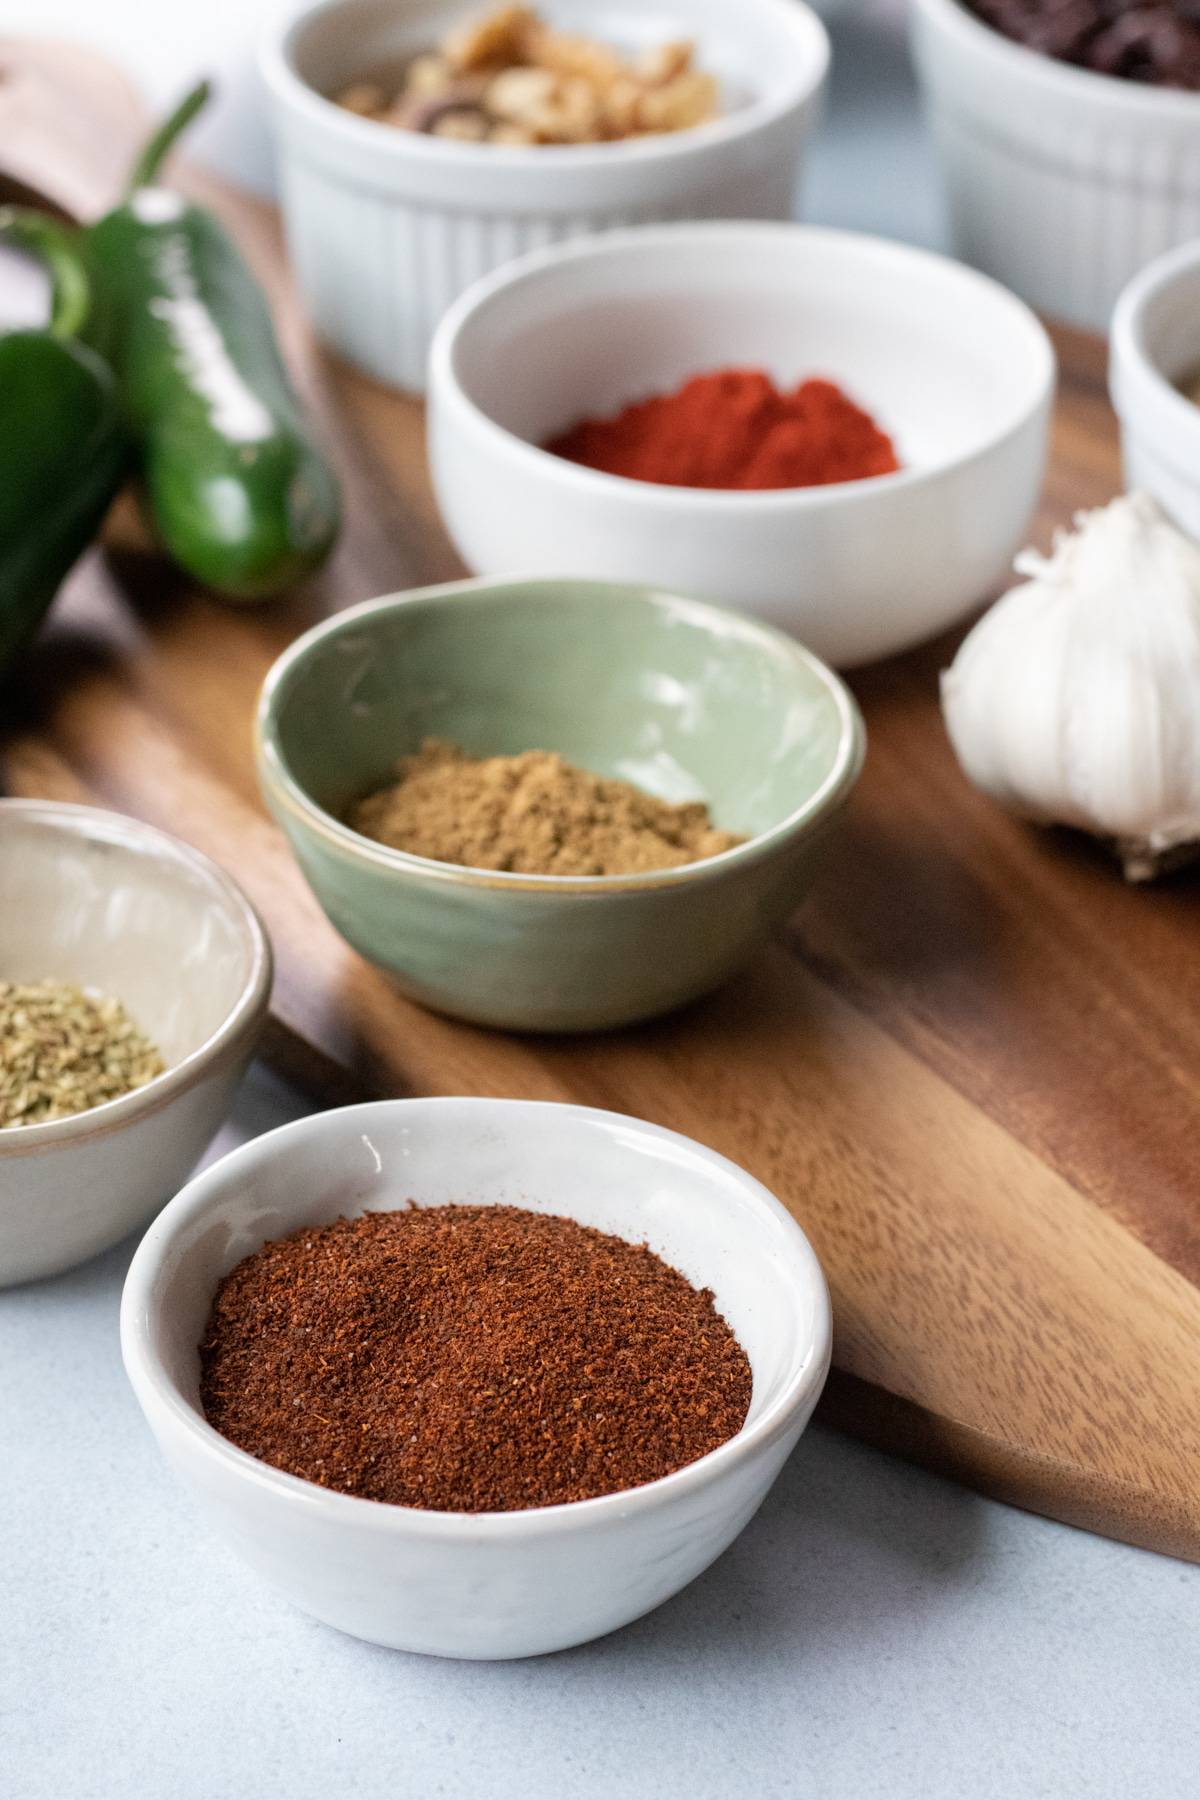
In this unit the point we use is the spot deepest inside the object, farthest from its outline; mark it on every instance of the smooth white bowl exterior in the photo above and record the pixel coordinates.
(495, 1584)
(1061, 183)
(385, 228)
(105, 902)
(1155, 343)
(958, 370)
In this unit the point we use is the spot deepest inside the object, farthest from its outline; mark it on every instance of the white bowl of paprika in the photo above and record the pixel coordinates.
(944, 367)
(463, 1583)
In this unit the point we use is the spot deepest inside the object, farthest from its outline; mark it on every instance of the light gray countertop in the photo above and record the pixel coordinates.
(875, 1633)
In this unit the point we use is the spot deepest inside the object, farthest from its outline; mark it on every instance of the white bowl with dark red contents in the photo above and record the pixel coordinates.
(498, 1584)
(957, 372)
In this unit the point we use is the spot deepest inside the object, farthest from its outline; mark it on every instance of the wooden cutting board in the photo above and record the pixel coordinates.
(970, 1066)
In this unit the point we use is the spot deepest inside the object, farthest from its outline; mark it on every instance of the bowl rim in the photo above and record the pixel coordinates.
(155, 1388)
(447, 390)
(220, 1046)
(276, 61)
(1132, 365)
(284, 787)
(956, 20)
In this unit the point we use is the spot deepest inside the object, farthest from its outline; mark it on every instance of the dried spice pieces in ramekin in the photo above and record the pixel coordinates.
(64, 1050)
(469, 1359)
(1158, 44)
(532, 814)
(506, 77)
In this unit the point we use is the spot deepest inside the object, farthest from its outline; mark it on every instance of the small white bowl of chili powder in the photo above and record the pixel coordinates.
(476, 1378)
(842, 435)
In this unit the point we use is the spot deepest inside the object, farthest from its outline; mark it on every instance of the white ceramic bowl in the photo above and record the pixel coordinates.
(105, 902)
(956, 369)
(484, 1584)
(1155, 343)
(386, 227)
(1062, 183)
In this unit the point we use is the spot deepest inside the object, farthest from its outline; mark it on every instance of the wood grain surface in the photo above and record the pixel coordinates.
(971, 1066)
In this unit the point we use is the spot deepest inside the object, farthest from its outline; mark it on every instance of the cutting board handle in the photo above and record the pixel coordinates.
(70, 122)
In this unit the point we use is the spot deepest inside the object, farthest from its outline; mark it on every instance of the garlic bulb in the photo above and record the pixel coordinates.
(1076, 699)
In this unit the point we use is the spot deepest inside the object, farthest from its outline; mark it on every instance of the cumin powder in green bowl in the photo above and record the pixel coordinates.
(684, 700)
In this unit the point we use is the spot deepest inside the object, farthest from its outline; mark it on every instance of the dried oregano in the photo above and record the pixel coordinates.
(64, 1050)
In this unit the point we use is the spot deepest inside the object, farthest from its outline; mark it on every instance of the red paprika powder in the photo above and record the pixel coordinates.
(734, 428)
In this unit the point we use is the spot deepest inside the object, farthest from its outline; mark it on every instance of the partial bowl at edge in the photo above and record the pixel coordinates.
(1061, 182)
(105, 902)
(1155, 344)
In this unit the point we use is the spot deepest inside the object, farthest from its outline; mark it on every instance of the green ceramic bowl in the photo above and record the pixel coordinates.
(681, 698)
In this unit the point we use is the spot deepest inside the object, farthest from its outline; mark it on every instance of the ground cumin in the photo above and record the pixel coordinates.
(470, 1359)
(532, 814)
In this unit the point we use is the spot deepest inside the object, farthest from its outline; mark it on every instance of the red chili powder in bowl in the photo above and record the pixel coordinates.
(734, 428)
(469, 1359)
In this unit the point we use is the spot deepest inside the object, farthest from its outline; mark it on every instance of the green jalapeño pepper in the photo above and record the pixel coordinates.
(62, 448)
(238, 493)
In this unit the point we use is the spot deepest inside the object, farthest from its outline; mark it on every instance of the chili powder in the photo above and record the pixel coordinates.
(469, 1359)
(733, 428)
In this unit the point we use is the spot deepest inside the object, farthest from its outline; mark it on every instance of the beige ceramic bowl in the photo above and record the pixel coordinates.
(105, 902)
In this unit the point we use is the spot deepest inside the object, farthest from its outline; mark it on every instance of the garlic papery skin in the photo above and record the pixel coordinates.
(1076, 698)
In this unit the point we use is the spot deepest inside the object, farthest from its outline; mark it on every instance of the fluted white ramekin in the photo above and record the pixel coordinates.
(1155, 344)
(385, 227)
(1060, 182)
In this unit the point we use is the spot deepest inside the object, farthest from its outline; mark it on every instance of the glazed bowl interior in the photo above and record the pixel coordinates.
(944, 360)
(754, 55)
(683, 700)
(102, 902)
(700, 1213)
